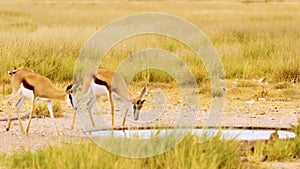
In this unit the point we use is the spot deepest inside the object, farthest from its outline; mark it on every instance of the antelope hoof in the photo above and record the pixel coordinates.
(7, 129)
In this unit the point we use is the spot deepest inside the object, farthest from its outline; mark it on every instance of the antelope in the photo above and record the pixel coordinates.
(31, 85)
(103, 82)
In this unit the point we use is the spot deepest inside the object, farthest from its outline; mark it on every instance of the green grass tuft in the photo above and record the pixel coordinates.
(41, 109)
(190, 153)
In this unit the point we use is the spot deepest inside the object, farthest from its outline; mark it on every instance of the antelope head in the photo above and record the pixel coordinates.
(138, 104)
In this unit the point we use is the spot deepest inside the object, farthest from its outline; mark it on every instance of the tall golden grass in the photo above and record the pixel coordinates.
(252, 39)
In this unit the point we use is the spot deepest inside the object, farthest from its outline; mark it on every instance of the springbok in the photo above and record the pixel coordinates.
(31, 85)
(102, 82)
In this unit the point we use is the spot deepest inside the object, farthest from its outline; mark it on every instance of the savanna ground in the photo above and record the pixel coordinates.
(253, 40)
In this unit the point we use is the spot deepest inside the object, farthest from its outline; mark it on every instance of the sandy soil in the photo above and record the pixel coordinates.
(42, 131)
(270, 113)
(41, 134)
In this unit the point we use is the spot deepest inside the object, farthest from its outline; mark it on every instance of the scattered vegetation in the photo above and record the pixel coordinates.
(278, 149)
(215, 152)
(41, 109)
(260, 42)
(190, 153)
(47, 36)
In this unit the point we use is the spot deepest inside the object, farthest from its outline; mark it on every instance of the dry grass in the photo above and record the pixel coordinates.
(251, 38)
(214, 153)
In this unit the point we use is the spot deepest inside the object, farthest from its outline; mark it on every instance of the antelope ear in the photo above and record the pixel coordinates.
(69, 89)
(10, 73)
(143, 101)
(143, 92)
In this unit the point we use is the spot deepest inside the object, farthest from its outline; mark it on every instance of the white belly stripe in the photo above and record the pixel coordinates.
(28, 94)
(98, 90)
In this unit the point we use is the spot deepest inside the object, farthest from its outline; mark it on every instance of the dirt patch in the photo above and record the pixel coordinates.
(273, 113)
(41, 134)
(280, 165)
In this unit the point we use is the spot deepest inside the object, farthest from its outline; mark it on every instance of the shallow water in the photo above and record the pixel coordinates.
(238, 134)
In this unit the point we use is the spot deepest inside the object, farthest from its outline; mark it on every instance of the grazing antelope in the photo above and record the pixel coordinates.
(102, 82)
(34, 86)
